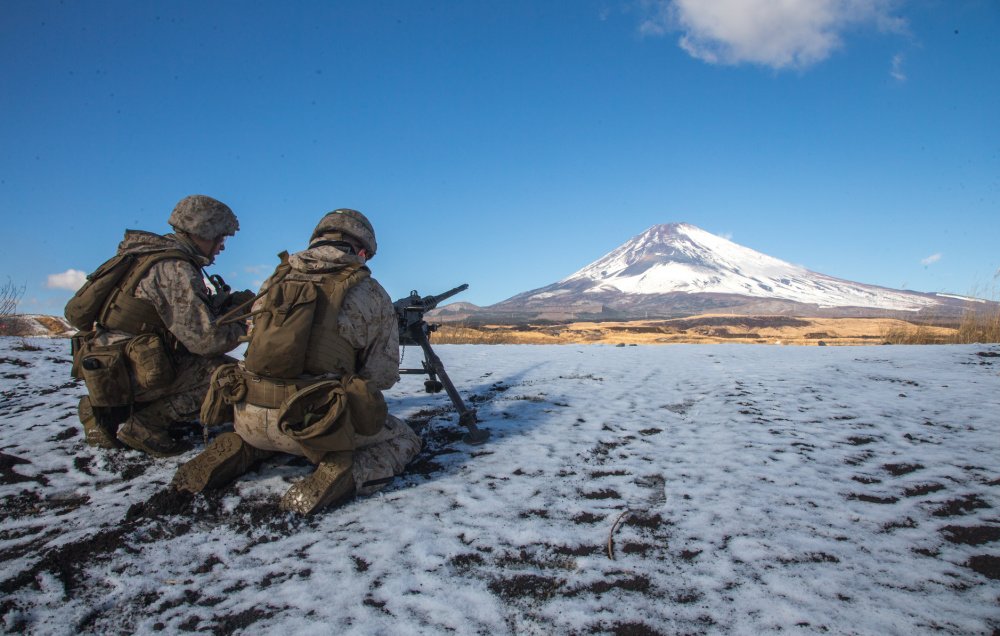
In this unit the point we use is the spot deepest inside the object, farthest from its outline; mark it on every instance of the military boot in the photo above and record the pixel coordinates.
(148, 438)
(94, 433)
(333, 479)
(222, 461)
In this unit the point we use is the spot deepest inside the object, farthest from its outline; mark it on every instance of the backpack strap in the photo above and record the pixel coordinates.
(123, 311)
(239, 312)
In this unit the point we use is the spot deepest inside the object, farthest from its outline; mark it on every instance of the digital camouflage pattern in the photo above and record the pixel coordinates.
(381, 456)
(177, 291)
(367, 320)
(204, 217)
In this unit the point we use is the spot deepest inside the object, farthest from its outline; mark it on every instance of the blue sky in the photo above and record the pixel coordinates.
(507, 144)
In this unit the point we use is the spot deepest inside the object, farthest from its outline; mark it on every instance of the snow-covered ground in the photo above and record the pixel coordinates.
(712, 489)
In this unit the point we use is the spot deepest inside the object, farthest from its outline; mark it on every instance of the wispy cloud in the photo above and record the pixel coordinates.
(897, 68)
(930, 260)
(785, 34)
(71, 279)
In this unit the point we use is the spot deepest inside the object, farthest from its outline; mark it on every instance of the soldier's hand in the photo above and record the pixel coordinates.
(238, 298)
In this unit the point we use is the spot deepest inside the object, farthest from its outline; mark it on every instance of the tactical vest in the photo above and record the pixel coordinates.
(108, 299)
(115, 373)
(295, 333)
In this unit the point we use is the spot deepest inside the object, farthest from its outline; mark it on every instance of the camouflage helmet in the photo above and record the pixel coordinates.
(203, 217)
(350, 223)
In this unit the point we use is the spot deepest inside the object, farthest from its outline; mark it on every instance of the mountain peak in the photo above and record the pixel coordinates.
(680, 258)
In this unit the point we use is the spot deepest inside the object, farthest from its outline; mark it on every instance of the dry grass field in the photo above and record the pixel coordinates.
(710, 329)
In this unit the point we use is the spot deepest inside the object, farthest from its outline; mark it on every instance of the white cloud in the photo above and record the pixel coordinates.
(71, 279)
(930, 260)
(896, 71)
(774, 33)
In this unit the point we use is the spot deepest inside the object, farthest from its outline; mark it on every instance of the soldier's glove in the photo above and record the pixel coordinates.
(238, 298)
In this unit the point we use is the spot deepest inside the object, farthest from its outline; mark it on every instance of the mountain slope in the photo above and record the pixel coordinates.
(679, 269)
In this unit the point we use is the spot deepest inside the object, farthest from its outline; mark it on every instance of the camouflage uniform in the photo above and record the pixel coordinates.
(368, 323)
(176, 289)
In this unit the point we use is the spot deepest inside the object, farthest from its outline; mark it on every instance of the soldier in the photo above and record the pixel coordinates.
(324, 346)
(160, 315)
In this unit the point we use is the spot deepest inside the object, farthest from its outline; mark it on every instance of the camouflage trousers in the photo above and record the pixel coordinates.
(181, 400)
(377, 458)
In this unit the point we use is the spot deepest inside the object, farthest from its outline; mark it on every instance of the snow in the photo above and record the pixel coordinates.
(684, 258)
(746, 489)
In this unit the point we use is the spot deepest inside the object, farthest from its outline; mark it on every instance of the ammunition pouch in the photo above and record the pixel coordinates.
(226, 388)
(105, 371)
(151, 363)
(326, 416)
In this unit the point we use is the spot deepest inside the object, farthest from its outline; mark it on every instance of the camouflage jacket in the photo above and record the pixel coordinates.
(176, 288)
(366, 320)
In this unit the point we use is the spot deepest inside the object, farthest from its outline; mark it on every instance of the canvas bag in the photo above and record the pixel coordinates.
(105, 371)
(83, 308)
(284, 321)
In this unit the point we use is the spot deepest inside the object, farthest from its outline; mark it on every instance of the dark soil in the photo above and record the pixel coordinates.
(971, 535)
(987, 564)
(961, 506)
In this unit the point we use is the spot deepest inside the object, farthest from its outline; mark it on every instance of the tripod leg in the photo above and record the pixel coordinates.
(466, 416)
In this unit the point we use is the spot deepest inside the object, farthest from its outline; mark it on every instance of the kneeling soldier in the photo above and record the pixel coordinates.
(324, 345)
(149, 335)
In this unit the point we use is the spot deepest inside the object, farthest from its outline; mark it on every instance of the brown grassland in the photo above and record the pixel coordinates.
(711, 329)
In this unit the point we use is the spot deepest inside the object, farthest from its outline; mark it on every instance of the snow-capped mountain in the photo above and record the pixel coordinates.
(677, 269)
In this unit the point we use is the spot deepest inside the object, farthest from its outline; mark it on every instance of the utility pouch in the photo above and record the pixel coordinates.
(75, 346)
(151, 362)
(105, 372)
(226, 388)
(366, 404)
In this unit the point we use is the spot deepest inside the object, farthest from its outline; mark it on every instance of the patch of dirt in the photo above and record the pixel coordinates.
(873, 499)
(971, 535)
(9, 476)
(464, 561)
(634, 583)
(208, 565)
(229, 623)
(956, 507)
(165, 502)
(531, 586)
(587, 517)
(897, 470)
(129, 464)
(986, 564)
(67, 561)
(922, 489)
(68, 433)
(861, 440)
(606, 493)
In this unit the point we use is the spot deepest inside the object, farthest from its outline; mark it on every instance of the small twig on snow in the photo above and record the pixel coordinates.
(614, 526)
